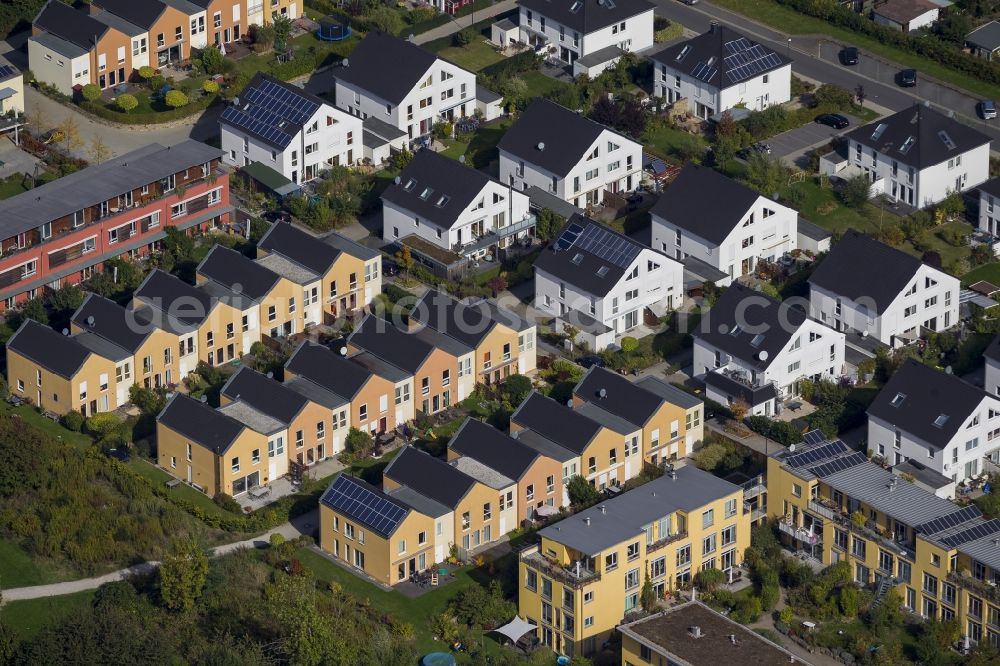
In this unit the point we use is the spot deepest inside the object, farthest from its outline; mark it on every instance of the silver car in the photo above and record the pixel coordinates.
(988, 109)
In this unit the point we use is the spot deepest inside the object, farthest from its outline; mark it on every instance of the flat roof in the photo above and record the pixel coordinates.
(482, 473)
(720, 640)
(252, 418)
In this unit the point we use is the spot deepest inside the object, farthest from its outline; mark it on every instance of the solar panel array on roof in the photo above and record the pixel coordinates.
(608, 246)
(270, 111)
(979, 531)
(367, 507)
(820, 453)
(746, 60)
(838, 465)
(814, 437)
(704, 72)
(569, 237)
(950, 520)
(7, 71)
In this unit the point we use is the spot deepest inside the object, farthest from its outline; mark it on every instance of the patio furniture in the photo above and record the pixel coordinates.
(259, 492)
(173, 483)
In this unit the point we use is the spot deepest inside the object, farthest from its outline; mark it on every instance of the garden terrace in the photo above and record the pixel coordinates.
(575, 577)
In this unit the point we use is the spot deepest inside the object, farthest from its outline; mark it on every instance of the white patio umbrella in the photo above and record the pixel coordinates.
(515, 629)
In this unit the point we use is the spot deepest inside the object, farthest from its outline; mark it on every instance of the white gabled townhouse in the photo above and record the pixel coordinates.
(566, 154)
(936, 419)
(404, 85)
(870, 289)
(918, 156)
(992, 356)
(454, 207)
(719, 70)
(711, 218)
(989, 207)
(590, 35)
(288, 130)
(601, 282)
(754, 348)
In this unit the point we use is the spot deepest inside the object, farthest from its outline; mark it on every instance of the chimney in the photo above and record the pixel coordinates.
(694, 594)
(604, 509)
(713, 26)
(586, 519)
(732, 638)
(696, 631)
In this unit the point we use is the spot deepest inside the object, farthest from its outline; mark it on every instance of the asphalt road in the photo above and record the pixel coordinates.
(816, 58)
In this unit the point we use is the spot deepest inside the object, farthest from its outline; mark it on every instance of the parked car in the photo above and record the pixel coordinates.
(690, 2)
(590, 361)
(850, 56)
(988, 109)
(834, 120)
(907, 78)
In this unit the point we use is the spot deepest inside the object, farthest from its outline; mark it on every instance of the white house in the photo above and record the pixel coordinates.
(868, 288)
(594, 32)
(568, 155)
(404, 85)
(454, 206)
(11, 88)
(989, 207)
(752, 347)
(992, 355)
(600, 282)
(919, 156)
(936, 419)
(293, 132)
(906, 15)
(708, 216)
(721, 69)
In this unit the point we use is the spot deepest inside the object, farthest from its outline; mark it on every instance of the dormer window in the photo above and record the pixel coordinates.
(898, 399)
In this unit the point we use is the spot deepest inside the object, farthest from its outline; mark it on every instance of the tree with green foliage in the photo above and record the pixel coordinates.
(211, 87)
(847, 600)
(146, 73)
(582, 493)
(855, 190)
(175, 99)
(647, 595)
(182, 575)
(834, 95)
(709, 456)
(102, 424)
(516, 388)
(629, 344)
(401, 159)
(766, 174)
(464, 37)
(358, 443)
(91, 92)
(708, 580)
(127, 102)
(73, 420)
(548, 224)
(747, 610)
(212, 60)
(150, 401)
(384, 19)
(34, 309)
(478, 606)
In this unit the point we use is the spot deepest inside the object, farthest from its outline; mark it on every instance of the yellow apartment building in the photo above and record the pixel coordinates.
(585, 575)
(61, 373)
(944, 559)
(208, 449)
(374, 532)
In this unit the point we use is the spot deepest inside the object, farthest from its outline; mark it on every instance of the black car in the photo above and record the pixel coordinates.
(834, 120)
(908, 78)
(590, 361)
(850, 55)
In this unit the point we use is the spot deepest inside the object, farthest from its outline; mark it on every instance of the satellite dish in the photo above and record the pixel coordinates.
(569, 402)
(791, 448)
(270, 375)
(603, 393)
(762, 355)
(343, 350)
(345, 63)
(90, 320)
(948, 370)
(65, 331)
(412, 37)
(541, 145)
(398, 180)
(236, 101)
(461, 158)
(204, 399)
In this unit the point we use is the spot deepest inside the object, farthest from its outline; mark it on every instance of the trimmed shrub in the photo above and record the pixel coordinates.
(277, 539)
(175, 99)
(211, 87)
(629, 344)
(91, 92)
(103, 424)
(127, 102)
(73, 420)
(227, 502)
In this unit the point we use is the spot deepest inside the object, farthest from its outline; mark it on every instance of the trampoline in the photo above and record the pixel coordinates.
(332, 31)
(438, 659)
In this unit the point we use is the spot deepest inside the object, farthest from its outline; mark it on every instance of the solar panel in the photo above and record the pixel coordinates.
(608, 246)
(746, 60)
(814, 437)
(268, 108)
(817, 455)
(950, 520)
(704, 72)
(365, 506)
(838, 465)
(7, 71)
(988, 528)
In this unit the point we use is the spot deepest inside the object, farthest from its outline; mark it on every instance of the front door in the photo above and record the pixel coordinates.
(746, 267)
(272, 471)
(382, 424)
(503, 525)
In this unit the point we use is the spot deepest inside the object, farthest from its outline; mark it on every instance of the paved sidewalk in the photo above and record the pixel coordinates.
(305, 524)
(462, 22)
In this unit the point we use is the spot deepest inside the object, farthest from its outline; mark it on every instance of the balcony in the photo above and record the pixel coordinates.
(575, 577)
(662, 543)
(754, 487)
(493, 237)
(799, 533)
(825, 508)
(871, 531)
(982, 588)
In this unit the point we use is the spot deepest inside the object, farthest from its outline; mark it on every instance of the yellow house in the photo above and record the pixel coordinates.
(693, 633)
(346, 275)
(601, 454)
(668, 418)
(504, 343)
(474, 506)
(586, 573)
(374, 532)
(208, 449)
(942, 558)
(60, 373)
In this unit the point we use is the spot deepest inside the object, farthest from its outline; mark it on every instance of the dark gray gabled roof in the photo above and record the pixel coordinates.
(992, 186)
(382, 129)
(126, 328)
(315, 392)
(590, 256)
(929, 405)
(179, 306)
(986, 36)
(544, 446)
(271, 110)
(436, 188)
(76, 27)
(58, 45)
(417, 502)
(384, 340)
(626, 516)
(102, 346)
(587, 16)
(365, 504)
(918, 136)
(493, 448)
(993, 351)
(238, 273)
(203, 425)
(616, 394)
(467, 322)
(721, 57)
(673, 394)
(387, 67)
(142, 13)
(264, 394)
(353, 248)
(299, 246)
(328, 369)
(556, 422)
(705, 203)
(60, 354)
(859, 267)
(771, 325)
(551, 137)
(118, 23)
(429, 476)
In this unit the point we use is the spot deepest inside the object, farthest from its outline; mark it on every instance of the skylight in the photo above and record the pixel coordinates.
(898, 399)
(941, 420)
(735, 331)
(946, 139)
(410, 184)
(576, 6)
(684, 52)
(577, 258)
(905, 148)
(443, 200)
(757, 340)
(426, 194)
(602, 271)
(878, 131)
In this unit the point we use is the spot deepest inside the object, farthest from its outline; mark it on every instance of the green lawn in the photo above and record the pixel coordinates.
(988, 272)
(46, 425)
(473, 56)
(17, 569)
(27, 618)
(539, 84)
(481, 148)
(792, 22)
(669, 142)
(183, 491)
(12, 185)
